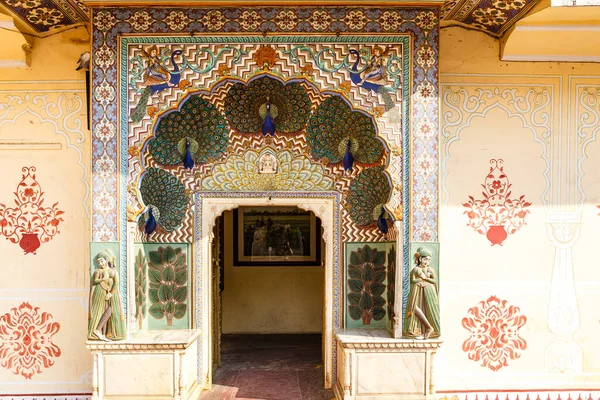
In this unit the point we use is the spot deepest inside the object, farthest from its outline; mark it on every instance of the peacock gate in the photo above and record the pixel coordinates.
(312, 151)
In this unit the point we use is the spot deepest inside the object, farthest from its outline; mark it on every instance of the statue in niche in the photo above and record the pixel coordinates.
(106, 320)
(422, 319)
(267, 164)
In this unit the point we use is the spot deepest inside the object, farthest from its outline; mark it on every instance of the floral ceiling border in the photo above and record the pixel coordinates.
(493, 17)
(45, 15)
(422, 24)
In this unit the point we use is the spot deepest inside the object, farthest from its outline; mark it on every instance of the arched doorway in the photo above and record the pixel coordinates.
(209, 205)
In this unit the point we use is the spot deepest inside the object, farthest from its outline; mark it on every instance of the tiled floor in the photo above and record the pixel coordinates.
(269, 367)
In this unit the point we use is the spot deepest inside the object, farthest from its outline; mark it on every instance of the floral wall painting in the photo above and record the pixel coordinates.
(496, 215)
(366, 299)
(494, 337)
(26, 334)
(106, 315)
(163, 285)
(421, 292)
(29, 223)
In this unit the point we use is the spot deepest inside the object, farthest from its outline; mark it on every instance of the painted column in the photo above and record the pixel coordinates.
(563, 354)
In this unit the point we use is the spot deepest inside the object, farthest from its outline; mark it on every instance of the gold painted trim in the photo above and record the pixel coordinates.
(263, 3)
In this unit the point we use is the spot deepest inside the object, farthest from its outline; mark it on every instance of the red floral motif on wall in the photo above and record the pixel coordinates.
(494, 326)
(26, 346)
(29, 223)
(496, 215)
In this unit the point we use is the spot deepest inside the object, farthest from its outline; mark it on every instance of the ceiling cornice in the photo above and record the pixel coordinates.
(263, 3)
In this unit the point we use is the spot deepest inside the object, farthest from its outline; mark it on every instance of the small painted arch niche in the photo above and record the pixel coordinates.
(324, 205)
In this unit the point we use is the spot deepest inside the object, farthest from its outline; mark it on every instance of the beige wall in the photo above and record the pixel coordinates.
(270, 299)
(541, 119)
(43, 116)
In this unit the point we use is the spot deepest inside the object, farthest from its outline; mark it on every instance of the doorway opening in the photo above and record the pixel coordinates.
(268, 304)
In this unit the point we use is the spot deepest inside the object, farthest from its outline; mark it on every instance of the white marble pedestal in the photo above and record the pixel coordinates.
(156, 364)
(373, 365)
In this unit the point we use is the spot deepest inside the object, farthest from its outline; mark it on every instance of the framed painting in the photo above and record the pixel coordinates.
(275, 236)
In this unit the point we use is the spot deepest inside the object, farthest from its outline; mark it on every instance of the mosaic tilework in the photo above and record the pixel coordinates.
(421, 23)
(213, 71)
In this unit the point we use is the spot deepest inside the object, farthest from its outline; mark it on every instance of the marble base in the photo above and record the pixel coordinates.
(373, 365)
(157, 364)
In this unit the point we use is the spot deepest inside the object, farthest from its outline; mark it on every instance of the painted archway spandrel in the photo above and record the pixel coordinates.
(227, 151)
(421, 24)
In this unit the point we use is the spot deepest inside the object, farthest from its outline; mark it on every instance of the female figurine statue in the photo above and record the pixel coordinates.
(422, 318)
(106, 320)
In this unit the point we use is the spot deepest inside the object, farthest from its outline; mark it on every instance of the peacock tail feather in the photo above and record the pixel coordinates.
(167, 193)
(334, 122)
(197, 119)
(139, 111)
(387, 99)
(369, 189)
(243, 103)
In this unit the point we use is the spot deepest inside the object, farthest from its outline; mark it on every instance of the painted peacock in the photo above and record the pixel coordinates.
(369, 191)
(266, 105)
(165, 195)
(336, 132)
(139, 111)
(196, 133)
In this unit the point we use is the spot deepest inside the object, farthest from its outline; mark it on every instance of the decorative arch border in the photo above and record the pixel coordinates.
(422, 24)
(316, 202)
(533, 108)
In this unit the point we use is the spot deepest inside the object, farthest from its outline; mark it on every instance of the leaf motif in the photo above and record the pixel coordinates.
(355, 312)
(354, 298)
(377, 289)
(356, 285)
(165, 293)
(157, 311)
(155, 258)
(153, 294)
(180, 310)
(170, 307)
(181, 277)
(354, 273)
(169, 255)
(379, 276)
(378, 301)
(378, 257)
(366, 302)
(378, 313)
(367, 274)
(168, 274)
(154, 276)
(355, 258)
(180, 294)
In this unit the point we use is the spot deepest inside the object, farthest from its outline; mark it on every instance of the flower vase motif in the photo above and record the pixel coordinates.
(29, 223)
(496, 215)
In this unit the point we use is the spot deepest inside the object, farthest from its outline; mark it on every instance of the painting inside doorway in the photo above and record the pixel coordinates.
(276, 236)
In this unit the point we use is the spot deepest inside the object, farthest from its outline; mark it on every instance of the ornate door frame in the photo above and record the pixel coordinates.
(208, 205)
